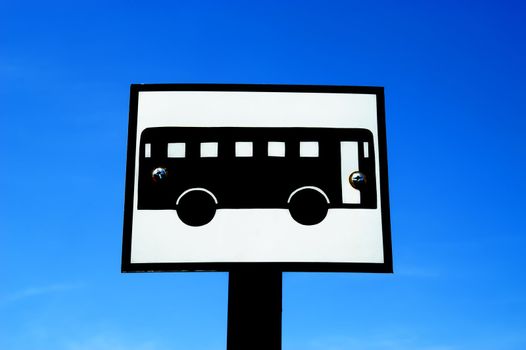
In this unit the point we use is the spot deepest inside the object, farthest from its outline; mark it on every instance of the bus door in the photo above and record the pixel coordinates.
(349, 164)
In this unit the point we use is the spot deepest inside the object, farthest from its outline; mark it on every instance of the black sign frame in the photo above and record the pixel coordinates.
(385, 267)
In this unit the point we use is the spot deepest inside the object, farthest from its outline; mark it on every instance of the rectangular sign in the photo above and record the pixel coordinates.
(291, 177)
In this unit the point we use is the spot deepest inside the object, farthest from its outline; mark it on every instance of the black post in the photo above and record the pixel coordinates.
(254, 310)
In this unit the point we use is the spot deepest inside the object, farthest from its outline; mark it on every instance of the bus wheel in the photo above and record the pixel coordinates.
(196, 207)
(308, 206)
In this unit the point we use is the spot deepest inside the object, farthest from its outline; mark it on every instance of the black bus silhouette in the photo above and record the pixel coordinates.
(197, 170)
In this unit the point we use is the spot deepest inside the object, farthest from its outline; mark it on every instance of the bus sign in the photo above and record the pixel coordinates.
(221, 177)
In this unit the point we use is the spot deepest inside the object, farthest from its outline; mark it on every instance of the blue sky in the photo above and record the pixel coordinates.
(453, 73)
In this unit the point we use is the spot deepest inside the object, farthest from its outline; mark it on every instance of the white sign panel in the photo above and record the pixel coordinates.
(221, 176)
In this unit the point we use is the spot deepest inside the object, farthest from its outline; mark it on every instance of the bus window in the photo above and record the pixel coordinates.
(244, 149)
(366, 149)
(147, 150)
(309, 149)
(176, 150)
(276, 149)
(208, 149)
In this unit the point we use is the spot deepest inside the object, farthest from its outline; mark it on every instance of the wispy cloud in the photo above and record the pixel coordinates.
(30, 292)
(374, 343)
(106, 342)
(403, 340)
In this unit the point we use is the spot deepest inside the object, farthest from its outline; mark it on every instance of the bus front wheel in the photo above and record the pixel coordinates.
(308, 206)
(196, 207)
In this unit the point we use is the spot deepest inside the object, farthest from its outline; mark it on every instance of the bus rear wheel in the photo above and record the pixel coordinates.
(196, 208)
(308, 206)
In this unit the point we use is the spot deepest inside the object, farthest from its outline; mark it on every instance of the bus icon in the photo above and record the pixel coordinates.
(197, 171)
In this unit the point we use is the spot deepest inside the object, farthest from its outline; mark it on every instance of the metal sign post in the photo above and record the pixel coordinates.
(254, 310)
